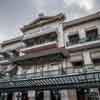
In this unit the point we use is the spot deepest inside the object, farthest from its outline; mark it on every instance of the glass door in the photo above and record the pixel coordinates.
(39, 95)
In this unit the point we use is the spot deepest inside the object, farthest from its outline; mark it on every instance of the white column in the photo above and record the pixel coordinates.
(31, 95)
(20, 70)
(82, 33)
(87, 58)
(4, 96)
(46, 95)
(60, 36)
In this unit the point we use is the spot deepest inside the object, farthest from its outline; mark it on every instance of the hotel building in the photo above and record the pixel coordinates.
(55, 59)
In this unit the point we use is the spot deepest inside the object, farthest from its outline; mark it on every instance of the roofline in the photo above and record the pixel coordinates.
(12, 40)
(81, 20)
(59, 16)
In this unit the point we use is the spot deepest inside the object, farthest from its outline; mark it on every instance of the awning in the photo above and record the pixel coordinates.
(60, 81)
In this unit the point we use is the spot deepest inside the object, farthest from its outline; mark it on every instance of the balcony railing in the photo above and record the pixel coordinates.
(39, 45)
(83, 40)
(51, 73)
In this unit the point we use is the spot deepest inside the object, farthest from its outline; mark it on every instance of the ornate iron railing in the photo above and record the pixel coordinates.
(83, 40)
(61, 71)
(86, 77)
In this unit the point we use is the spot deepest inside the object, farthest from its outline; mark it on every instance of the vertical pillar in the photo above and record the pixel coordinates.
(82, 34)
(31, 95)
(87, 58)
(60, 36)
(47, 95)
(3, 96)
(87, 61)
(20, 70)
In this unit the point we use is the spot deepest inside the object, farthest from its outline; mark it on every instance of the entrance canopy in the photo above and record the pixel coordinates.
(48, 81)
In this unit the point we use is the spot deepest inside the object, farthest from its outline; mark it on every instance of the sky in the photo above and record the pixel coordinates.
(16, 13)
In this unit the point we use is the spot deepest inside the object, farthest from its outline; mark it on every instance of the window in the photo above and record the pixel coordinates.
(29, 42)
(41, 39)
(77, 64)
(53, 66)
(15, 52)
(73, 39)
(92, 34)
(96, 61)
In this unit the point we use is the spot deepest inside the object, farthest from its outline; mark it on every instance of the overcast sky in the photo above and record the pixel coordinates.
(16, 13)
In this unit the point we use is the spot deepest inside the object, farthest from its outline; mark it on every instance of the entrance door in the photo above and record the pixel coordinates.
(10, 96)
(39, 95)
(24, 96)
(55, 95)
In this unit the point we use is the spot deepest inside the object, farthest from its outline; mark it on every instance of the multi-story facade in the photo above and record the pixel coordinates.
(53, 60)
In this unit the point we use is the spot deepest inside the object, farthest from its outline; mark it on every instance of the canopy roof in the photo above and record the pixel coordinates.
(48, 81)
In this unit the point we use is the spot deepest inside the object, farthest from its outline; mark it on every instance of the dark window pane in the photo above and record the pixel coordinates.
(92, 35)
(96, 61)
(74, 39)
(77, 64)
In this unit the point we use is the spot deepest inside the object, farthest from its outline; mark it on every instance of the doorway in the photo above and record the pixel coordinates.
(10, 96)
(55, 95)
(39, 95)
(24, 95)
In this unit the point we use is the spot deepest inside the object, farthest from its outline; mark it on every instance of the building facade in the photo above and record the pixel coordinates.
(53, 60)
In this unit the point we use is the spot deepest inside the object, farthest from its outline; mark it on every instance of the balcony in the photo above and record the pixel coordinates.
(84, 43)
(39, 47)
(54, 79)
